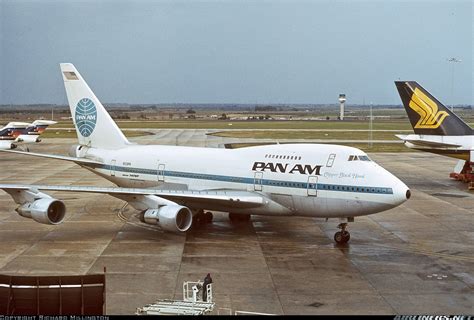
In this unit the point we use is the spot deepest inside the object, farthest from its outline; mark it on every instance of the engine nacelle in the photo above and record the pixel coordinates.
(46, 211)
(172, 218)
(78, 151)
(28, 138)
(6, 144)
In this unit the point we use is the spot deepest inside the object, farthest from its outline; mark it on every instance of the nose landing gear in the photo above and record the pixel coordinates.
(343, 236)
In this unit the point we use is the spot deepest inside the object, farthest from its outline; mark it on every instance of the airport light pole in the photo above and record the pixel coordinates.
(452, 60)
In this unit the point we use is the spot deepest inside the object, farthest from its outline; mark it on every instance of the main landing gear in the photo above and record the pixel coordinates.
(343, 236)
(203, 217)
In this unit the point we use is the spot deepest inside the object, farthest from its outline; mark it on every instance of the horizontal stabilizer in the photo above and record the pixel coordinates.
(425, 142)
(54, 156)
(43, 123)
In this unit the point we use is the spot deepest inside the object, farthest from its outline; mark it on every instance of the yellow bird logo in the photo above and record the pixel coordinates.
(430, 117)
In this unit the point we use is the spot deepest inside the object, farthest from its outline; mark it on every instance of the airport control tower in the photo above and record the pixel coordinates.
(342, 100)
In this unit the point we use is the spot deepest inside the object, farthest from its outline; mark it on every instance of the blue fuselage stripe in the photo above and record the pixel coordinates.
(245, 180)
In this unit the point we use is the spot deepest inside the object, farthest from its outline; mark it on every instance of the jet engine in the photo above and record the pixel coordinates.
(172, 218)
(28, 138)
(5, 145)
(45, 210)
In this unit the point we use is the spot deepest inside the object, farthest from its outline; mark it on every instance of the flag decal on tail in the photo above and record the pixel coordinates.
(86, 117)
(70, 75)
(430, 117)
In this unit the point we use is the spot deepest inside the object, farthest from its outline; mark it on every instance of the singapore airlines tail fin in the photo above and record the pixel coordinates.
(94, 126)
(427, 115)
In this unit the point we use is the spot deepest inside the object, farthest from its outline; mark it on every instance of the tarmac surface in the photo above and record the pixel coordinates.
(415, 259)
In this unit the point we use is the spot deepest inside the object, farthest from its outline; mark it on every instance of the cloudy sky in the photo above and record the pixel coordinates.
(236, 51)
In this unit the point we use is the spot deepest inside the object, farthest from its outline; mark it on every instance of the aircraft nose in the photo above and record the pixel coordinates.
(401, 193)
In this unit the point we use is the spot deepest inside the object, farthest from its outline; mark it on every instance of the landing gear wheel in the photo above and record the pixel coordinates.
(207, 217)
(343, 236)
(198, 218)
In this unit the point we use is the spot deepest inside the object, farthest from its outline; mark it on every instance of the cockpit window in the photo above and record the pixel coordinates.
(361, 158)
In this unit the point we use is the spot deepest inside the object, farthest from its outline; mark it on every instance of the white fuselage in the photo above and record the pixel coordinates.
(305, 179)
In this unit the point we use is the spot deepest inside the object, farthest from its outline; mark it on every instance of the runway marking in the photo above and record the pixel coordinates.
(120, 213)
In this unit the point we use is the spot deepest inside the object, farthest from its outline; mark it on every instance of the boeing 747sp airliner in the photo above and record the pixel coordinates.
(170, 185)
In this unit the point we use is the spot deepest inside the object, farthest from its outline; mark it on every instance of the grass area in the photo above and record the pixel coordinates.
(290, 124)
(376, 147)
(289, 134)
(51, 133)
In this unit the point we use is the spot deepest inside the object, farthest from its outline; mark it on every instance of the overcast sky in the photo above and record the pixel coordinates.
(236, 51)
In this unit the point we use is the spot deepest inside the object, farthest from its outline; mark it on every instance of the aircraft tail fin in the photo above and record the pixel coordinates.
(40, 126)
(427, 115)
(94, 126)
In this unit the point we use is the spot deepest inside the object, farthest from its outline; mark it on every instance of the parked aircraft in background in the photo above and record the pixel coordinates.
(437, 129)
(171, 185)
(15, 133)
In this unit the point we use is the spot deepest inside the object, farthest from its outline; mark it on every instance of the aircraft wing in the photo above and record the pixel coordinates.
(54, 156)
(426, 143)
(238, 199)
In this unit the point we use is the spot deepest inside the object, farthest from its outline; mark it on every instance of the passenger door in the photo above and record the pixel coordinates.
(312, 186)
(257, 182)
(161, 172)
(331, 159)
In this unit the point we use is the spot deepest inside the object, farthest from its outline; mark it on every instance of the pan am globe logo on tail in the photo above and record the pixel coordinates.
(86, 117)
(430, 117)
